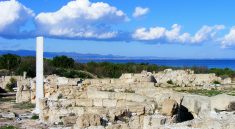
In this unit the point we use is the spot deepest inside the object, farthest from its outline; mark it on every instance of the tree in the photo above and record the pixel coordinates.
(28, 64)
(63, 62)
(9, 61)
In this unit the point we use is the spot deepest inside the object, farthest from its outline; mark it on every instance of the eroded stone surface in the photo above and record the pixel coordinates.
(134, 101)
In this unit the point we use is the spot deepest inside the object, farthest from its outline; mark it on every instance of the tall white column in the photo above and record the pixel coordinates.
(39, 72)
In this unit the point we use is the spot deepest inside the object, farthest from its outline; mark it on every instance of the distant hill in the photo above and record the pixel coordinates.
(73, 55)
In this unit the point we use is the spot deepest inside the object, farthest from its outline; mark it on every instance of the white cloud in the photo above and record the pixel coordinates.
(13, 16)
(229, 39)
(139, 11)
(174, 35)
(81, 19)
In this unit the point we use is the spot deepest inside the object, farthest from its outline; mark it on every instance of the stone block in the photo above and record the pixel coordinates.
(222, 102)
(87, 120)
(84, 102)
(169, 107)
(98, 102)
(135, 97)
(109, 103)
(9, 115)
(92, 94)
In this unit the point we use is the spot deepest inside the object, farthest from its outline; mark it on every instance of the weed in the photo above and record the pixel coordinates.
(25, 105)
(8, 127)
(35, 117)
(170, 82)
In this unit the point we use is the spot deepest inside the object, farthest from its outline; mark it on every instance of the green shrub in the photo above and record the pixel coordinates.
(35, 117)
(216, 82)
(63, 62)
(9, 61)
(60, 96)
(7, 99)
(8, 127)
(170, 82)
(67, 67)
(11, 85)
(60, 123)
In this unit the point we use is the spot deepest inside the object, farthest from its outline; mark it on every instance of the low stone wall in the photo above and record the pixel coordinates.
(188, 78)
(130, 102)
(4, 80)
(26, 88)
(91, 107)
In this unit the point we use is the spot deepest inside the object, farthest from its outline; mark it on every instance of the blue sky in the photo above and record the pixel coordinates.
(160, 28)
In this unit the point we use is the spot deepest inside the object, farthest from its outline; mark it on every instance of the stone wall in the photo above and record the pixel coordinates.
(26, 90)
(127, 82)
(188, 78)
(134, 101)
(4, 80)
(106, 105)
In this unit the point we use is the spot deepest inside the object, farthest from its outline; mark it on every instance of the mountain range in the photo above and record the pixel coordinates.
(73, 55)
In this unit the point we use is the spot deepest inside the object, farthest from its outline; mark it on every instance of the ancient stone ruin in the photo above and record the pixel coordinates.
(133, 101)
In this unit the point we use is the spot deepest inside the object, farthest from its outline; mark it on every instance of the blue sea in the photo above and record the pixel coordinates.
(176, 63)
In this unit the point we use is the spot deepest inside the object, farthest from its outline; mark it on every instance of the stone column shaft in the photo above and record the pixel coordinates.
(39, 71)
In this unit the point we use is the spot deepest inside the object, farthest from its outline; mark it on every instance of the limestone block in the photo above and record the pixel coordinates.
(42, 103)
(127, 76)
(68, 120)
(97, 110)
(169, 107)
(73, 82)
(119, 126)
(197, 105)
(120, 95)
(105, 81)
(62, 81)
(91, 94)
(139, 109)
(152, 122)
(125, 103)
(7, 115)
(77, 110)
(98, 102)
(149, 107)
(231, 126)
(135, 97)
(227, 81)
(109, 103)
(87, 120)
(221, 102)
(96, 127)
(67, 102)
(60, 128)
(84, 102)
(26, 115)
(23, 96)
(135, 122)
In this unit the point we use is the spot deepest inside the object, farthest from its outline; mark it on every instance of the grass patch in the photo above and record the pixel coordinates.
(203, 92)
(35, 117)
(232, 92)
(11, 85)
(129, 91)
(25, 105)
(108, 90)
(8, 127)
(6, 99)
